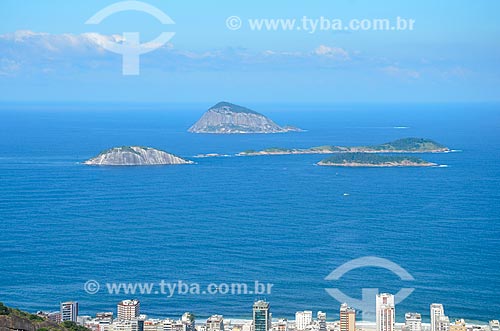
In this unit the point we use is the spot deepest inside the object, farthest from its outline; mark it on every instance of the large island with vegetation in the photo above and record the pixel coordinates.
(404, 145)
(228, 118)
(373, 160)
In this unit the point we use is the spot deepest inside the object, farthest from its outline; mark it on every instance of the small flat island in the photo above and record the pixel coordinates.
(404, 145)
(373, 160)
(135, 156)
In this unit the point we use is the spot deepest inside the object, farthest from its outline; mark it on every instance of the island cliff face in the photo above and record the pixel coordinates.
(227, 118)
(135, 156)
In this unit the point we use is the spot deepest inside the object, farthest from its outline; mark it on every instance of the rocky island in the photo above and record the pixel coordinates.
(373, 160)
(198, 156)
(227, 118)
(404, 145)
(135, 156)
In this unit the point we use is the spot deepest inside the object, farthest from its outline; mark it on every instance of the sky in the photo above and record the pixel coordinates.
(452, 54)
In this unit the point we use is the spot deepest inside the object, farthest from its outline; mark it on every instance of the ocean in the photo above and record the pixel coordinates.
(274, 219)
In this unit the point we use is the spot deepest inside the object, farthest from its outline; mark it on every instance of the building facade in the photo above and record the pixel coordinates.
(303, 319)
(437, 310)
(261, 316)
(385, 311)
(55, 317)
(321, 318)
(443, 323)
(347, 318)
(459, 325)
(215, 323)
(282, 325)
(128, 309)
(188, 322)
(413, 322)
(494, 325)
(69, 311)
(127, 325)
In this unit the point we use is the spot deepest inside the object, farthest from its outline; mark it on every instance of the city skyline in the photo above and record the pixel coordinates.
(128, 309)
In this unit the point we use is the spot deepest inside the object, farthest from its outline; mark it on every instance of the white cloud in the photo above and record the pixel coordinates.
(100, 39)
(457, 72)
(55, 52)
(270, 52)
(336, 53)
(8, 67)
(396, 71)
(52, 53)
(22, 35)
(45, 42)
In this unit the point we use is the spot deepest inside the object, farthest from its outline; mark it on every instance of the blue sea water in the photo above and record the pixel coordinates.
(275, 219)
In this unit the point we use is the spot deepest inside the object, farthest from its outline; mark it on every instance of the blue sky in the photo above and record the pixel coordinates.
(451, 55)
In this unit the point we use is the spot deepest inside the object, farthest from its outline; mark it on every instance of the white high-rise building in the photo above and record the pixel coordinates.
(303, 319)
(443, 323)
(215, 323)
(437, 310)
(413, 322)
(128, 309)
(385, 311)
(126, 325)
(321, 318)
(69, 311)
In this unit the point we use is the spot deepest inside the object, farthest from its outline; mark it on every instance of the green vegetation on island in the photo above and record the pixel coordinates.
(404, 145)
(228, 118)
(415, 145)
(373, 160)
(235, 108)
